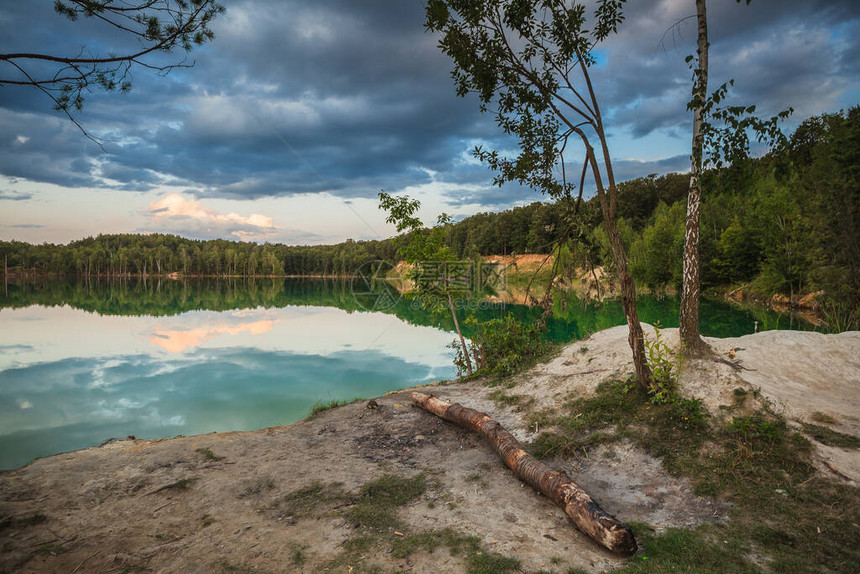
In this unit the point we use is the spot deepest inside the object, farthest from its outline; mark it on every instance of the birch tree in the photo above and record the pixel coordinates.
(689, 316)
(721, 134)
(531, 61)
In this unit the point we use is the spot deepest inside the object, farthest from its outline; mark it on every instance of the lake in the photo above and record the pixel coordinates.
(83, 362)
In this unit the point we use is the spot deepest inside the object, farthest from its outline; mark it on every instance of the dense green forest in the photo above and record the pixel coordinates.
(784, 223)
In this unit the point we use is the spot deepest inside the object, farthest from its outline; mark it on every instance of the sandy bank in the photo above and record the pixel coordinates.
(213, 502)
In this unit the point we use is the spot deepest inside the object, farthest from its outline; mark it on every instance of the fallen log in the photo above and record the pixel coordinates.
(556, 485)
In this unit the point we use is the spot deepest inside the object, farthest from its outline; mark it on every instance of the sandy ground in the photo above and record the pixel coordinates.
(113, 509)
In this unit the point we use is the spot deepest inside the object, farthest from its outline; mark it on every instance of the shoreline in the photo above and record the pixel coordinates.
(235, 499)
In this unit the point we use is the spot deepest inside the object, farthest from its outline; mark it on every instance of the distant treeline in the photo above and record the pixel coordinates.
(784, 223)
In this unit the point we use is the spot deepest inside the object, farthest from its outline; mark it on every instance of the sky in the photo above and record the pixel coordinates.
(299, 112)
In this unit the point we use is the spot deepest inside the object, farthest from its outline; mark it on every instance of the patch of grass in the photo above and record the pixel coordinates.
(681, 550)
(255, 487)
(319, 406)
(820, 417)
(491, 563)
(478, 479)
(183, 483)
(477, 560)
(229, 568)
(23, 521)
(51, 550)
(614, 405)
(297, 554)
(458, 543)
(782, 514)
(830, 437)
(306, 500)
(209, 455)
(503, 399)
(207, 520)
(379, 499)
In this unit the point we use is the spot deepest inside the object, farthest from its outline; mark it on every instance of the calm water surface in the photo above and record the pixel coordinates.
(84, 362)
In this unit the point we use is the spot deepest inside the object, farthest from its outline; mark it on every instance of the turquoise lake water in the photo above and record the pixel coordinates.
(84, 362)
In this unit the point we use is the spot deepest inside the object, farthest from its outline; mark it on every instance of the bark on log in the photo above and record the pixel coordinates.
(556, 485)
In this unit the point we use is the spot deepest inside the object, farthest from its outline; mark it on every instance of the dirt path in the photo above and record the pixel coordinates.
(228, 503)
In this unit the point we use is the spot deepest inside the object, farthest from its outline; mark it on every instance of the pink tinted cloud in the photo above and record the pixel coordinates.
(177, 341)
(176, 208)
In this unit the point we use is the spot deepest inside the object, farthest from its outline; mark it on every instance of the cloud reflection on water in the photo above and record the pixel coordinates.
(179, 340)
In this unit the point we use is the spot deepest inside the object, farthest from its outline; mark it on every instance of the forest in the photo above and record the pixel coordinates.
(784, 223)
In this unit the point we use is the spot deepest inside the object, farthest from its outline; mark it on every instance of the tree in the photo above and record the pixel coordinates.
(712, 144)
(157, 26)
(530, 59)
(688, 323)
(437, 273)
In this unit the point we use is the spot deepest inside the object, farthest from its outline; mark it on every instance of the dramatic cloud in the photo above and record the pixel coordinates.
(343, 98)
(189, 215)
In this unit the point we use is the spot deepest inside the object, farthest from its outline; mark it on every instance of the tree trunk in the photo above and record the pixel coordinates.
(462, 340)
(556, 485)
(691, 341)
(635, 337)
(609, 208)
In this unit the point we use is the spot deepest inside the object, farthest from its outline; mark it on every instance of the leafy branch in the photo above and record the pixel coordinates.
(157, 26)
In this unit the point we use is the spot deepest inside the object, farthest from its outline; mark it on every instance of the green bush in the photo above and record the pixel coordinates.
(665, 366)
(501, 347)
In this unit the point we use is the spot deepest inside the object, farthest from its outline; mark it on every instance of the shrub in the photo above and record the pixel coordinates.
(665, 366)
(501, 347)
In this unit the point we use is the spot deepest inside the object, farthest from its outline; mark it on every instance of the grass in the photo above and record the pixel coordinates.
(209, 455)
(307, 500)
(229, 568)
(52, 550)
(320, 406)
(782, 514)
(378, 531)
(379, 499)
(297, 554)
(477, 560)
(23, 521)
(501, 398)
(182, 483)
(478, 479)
(830, 437)
(820, 417)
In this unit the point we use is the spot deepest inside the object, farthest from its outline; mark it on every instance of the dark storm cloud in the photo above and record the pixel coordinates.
(780, 54)
(350, 97)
